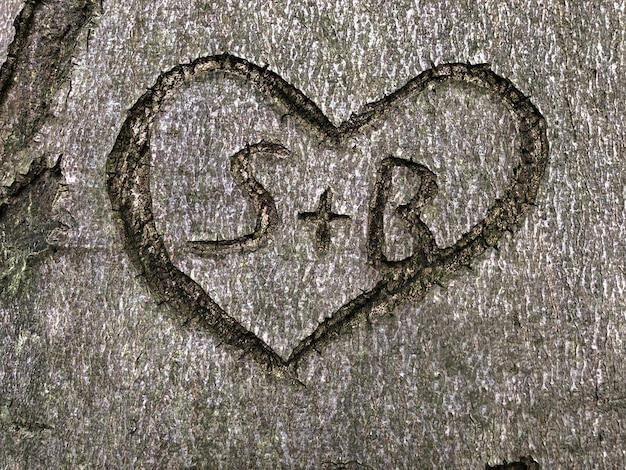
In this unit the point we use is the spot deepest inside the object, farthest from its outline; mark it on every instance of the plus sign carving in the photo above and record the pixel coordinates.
(321, 218)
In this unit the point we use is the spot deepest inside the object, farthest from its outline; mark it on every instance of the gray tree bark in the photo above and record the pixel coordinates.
(307, 235)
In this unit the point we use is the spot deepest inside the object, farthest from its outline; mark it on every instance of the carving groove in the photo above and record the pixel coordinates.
(524, 463)
(128, 182)
(425, 247)
(262, 201)
(322, 217)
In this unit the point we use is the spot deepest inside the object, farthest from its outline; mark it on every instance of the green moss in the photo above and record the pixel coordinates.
(10, 145)
(15, 271)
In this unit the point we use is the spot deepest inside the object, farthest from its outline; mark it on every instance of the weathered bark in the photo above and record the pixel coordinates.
(194, 195)
(36, 66)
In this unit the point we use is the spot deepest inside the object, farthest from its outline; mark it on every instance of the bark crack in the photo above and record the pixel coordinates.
(38, 62)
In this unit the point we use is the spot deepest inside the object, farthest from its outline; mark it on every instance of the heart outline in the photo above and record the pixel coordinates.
(128, 184)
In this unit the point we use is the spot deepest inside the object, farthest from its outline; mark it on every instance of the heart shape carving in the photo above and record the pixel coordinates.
(128, 183)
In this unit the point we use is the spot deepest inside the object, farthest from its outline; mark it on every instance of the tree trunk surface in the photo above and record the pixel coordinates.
(358, 234)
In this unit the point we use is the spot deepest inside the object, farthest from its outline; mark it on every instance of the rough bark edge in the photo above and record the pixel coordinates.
(128, 183)
(18, 256)
(38, 59)
(37, 63)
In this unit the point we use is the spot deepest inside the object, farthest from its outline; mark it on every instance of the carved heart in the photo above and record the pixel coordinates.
(128, 170)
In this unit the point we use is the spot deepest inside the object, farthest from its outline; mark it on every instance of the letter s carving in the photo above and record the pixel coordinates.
(267, 218)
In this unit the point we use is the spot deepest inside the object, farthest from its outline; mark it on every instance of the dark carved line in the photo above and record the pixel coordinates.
(524, 463)
(322, 217)
(128, 169)
(424, 241)
(414, 280)
(33, 426)
(128, 185)
(262, 201)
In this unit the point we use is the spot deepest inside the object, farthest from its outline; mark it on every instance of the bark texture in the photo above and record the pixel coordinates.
(312, 235)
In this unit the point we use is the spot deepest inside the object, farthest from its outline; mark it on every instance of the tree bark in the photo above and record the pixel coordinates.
(350, 235)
